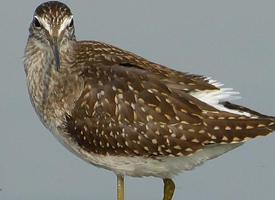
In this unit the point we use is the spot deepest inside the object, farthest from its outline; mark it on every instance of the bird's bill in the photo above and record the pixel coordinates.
(56, 53)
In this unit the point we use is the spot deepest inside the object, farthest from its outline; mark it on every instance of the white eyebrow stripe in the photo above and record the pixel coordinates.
(45, 24)
(65, 23)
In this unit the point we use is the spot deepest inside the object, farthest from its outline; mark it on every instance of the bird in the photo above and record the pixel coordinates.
(124, 113)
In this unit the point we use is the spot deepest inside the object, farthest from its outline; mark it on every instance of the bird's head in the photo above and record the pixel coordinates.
(53, 26)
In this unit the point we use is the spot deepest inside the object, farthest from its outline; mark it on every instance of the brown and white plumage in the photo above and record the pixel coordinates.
(125, 93)
(124, 113)
(132, 107)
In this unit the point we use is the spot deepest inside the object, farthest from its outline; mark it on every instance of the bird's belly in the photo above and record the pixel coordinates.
(138, 166)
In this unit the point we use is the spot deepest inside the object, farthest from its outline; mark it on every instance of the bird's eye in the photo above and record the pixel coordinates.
(71, 23)
(36, 23)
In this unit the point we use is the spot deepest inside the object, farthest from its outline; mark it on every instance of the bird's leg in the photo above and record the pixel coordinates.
(169, 188)
(120, 187)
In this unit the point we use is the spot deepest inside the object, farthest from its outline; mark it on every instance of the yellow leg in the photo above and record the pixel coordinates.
(120, 187)
(169, 188)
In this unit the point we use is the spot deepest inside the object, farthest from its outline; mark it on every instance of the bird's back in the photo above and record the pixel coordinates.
(130, 105)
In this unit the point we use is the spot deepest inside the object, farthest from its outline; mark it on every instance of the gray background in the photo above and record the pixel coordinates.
(232, 41)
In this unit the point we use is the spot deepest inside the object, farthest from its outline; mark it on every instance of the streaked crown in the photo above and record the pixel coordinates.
(53, 13)
(53, 8)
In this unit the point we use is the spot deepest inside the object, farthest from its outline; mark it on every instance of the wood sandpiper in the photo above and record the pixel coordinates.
(119, 111)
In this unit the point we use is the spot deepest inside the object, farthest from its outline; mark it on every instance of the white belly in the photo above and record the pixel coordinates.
(163, 167)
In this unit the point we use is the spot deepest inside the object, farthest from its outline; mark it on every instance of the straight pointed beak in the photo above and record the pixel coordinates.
(56, 53)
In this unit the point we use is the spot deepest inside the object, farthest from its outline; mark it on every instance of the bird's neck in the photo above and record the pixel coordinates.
(46, 86)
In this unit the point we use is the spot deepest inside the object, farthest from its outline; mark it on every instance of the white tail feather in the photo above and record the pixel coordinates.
(215, 97)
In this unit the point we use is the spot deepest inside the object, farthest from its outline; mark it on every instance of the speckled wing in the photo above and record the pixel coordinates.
(99, 53)
(127, 110)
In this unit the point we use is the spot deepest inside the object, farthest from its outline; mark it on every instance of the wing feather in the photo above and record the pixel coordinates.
(135, 112)
(131, 106)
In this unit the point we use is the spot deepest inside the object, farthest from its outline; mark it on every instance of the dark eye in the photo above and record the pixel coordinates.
(36, 23)
(71, 23)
